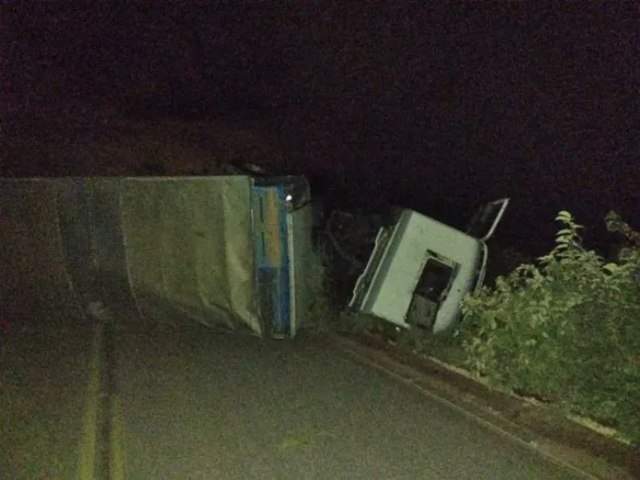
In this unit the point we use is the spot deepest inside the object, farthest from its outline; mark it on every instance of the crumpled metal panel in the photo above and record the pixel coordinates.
(174, 249)
(74, 219)
(107, 242)
(190, 243)
(32, 265)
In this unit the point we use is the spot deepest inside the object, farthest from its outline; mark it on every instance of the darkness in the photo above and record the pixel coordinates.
(438, 108)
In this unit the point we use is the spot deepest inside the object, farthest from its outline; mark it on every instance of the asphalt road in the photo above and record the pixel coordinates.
(45, 368)
(195, 404)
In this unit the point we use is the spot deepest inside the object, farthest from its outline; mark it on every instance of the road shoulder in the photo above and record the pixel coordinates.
(552, 435)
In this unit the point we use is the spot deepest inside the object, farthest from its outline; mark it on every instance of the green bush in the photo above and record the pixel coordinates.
(566, 330)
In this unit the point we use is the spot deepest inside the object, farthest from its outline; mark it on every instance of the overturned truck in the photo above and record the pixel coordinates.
(232, 251)
(223, 251)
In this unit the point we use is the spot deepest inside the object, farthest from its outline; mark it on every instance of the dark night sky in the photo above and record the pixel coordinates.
(437, 107)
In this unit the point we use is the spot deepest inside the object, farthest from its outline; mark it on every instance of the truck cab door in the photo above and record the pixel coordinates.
(486, 219)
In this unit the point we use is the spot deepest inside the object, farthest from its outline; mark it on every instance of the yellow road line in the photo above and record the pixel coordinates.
(116, 461)
(88, 440)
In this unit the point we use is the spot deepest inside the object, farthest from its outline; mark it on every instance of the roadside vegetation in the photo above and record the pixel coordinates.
(565, 329)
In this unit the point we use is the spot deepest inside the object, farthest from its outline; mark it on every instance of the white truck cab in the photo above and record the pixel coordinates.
(420, 269)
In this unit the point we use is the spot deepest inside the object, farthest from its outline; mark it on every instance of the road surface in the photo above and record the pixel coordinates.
(200, 405)
(191, 403)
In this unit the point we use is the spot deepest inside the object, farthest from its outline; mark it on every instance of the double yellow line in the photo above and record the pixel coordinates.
(89, 462)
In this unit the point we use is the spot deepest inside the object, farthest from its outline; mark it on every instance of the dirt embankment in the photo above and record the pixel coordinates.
(75, 139)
